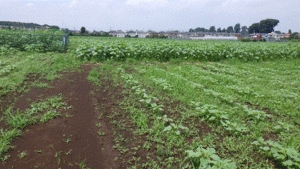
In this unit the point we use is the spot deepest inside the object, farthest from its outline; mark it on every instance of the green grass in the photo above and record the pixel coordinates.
(120, 49)
(16, 68)
(237, 100)
(41, 111)
(242, 111)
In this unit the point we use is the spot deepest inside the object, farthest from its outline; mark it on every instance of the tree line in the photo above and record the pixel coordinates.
(264, 26)
(26, 25)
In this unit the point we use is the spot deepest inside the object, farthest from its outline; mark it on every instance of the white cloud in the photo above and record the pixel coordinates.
(29, 4)
(151, 14)
(73, 4)
(147, 3)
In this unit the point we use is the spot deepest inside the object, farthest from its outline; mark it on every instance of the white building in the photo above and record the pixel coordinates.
(208, 37)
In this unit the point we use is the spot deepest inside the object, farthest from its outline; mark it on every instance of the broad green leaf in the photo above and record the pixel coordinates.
(265, 148)
(255, 143)
(168, 128)
(287, 163)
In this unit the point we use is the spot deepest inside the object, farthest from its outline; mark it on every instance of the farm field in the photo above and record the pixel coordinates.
(111, 103)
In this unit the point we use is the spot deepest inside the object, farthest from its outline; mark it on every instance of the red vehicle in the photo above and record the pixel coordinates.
(256, 37)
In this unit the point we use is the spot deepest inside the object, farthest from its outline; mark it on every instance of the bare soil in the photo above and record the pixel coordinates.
(66, 142)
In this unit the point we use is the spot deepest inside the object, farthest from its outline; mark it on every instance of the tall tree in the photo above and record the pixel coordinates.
(267, 25)
(219, 30)
(237, 28)
(224, 30)
(290, 31)
(264, 26)
(254, 28)
(294, 35)
(229, 29)
(82, 30)
(198, 29)
(212, 29)
(244, 30)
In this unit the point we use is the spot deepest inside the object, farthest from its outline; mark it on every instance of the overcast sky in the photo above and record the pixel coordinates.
(158, 15)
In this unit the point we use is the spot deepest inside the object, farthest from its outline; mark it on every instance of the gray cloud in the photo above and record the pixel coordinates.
(151, 14)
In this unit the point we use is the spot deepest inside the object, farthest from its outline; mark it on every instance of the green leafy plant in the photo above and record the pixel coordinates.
(255, 114)
(210, 113)
(49, 115)
(22, 154)
(176, 128)
(207, 158)
(288, 157)
(281, 127)
(234, 127)
(6, 137)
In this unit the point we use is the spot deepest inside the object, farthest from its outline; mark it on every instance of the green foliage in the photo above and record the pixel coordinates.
(288, 157)
(264, 26)
(234, 127)
(207, 158)
(255, 114)
(176, 128)
(21, 119)
(26, 25)
(231, 103)
(165, 50)
(40, 41)
(49, 115)
(18, 119)
(211, 113)
(82, 30)
(282, 127)
(6, 137)
(17, 68)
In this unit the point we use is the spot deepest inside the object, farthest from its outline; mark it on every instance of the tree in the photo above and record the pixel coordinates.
(191, 30)
(290, 31)
(254, 28)
(237, 28)
(224, 30)
(212, 29)
(264, 26)
(229, 29)
(244, 30)
(82, 30)
(294, 35)
(278, 32)
(198, 29)
(267, 25)
(219, 30)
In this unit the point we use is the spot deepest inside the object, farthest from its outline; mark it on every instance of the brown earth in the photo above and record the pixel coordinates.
(66, 142)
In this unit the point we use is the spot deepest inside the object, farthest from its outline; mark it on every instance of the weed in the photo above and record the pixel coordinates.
(22, 154)
(69, 152)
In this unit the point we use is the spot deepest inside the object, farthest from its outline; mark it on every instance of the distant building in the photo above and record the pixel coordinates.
(257, 37)
(142, 35)
(121, 34)
(209, 37)
(273, 36)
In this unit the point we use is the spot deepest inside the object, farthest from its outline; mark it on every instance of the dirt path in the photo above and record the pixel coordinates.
(66, 142)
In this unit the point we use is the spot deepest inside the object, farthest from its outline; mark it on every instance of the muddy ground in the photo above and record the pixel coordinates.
(71, 140)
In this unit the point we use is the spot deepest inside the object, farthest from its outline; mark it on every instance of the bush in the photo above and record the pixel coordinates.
(245, 40)
(32, 42)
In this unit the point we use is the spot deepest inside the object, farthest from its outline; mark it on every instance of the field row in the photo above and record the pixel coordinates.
(246, 128)
(165, 50)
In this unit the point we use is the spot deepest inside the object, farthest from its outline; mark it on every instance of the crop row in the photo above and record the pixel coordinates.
(40, 41)
(167, 127)
(165, 50)
(242, 117)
